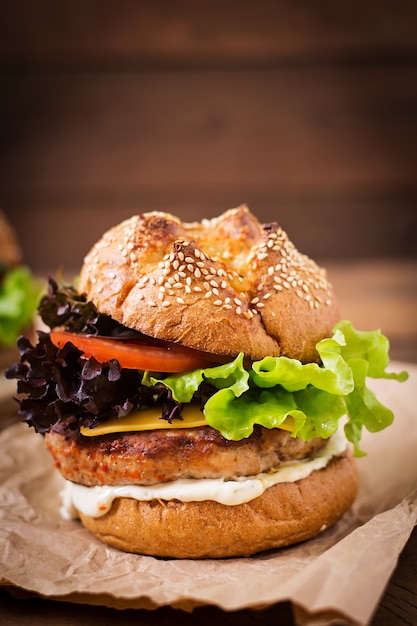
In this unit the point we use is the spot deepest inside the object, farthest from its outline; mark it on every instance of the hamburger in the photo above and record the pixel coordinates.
(19, 294)
(198, 391)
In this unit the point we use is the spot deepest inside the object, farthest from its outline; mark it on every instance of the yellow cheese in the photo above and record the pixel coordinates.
(150, 419)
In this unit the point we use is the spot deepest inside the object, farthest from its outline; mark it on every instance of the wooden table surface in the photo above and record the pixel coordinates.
(373, 294)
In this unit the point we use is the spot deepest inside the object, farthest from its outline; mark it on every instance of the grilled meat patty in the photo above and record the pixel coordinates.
(156, 456)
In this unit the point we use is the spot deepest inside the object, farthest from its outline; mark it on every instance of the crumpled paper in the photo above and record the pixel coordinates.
(337, 576)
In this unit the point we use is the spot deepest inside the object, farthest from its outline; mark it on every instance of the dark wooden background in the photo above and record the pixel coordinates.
(307, 111)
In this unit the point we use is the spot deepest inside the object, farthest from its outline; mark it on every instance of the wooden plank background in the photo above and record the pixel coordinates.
(305, 111)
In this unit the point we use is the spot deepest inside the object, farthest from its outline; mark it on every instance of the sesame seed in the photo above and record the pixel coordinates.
(197, 288)
(214, 283)
(238, 310)
(189, 259)
(218, 302)
(181, 255)
(237, 301)
(176, 264)
(166, 303)
(260, 305)
(207, 294)
(178, 285)
(215, 291)
(151, 303)
(197, 273)
(254, 300)
(266, 296)
(180, 301)
(228, 306)
(190, 267)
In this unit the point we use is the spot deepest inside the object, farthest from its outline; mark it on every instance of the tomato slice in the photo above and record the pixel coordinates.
(136, 354)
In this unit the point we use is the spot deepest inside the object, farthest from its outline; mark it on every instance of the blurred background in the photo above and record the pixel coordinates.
(306, 111)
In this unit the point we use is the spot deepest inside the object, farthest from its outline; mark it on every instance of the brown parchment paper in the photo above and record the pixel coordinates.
(339, 575)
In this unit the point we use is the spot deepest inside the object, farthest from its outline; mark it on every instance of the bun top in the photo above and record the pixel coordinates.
(223, 285)
(10, 253)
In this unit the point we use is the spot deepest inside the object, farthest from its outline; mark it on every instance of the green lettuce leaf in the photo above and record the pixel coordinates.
(19, 298)
(315, 396)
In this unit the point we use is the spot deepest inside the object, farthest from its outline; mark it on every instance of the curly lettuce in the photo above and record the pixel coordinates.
(315, 396)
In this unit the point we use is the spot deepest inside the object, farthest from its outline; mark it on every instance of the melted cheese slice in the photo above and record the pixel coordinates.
(150, 419)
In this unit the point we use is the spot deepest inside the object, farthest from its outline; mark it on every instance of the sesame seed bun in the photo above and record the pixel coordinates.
(284, 514)
(245, 282)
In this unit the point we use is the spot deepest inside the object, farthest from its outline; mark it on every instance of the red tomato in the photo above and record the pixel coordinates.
(136, 354)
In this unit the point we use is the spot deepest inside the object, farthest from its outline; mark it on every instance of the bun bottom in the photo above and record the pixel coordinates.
(284, 514)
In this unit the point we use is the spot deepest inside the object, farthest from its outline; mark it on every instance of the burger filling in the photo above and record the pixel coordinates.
(90, 370)
(97, 501)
